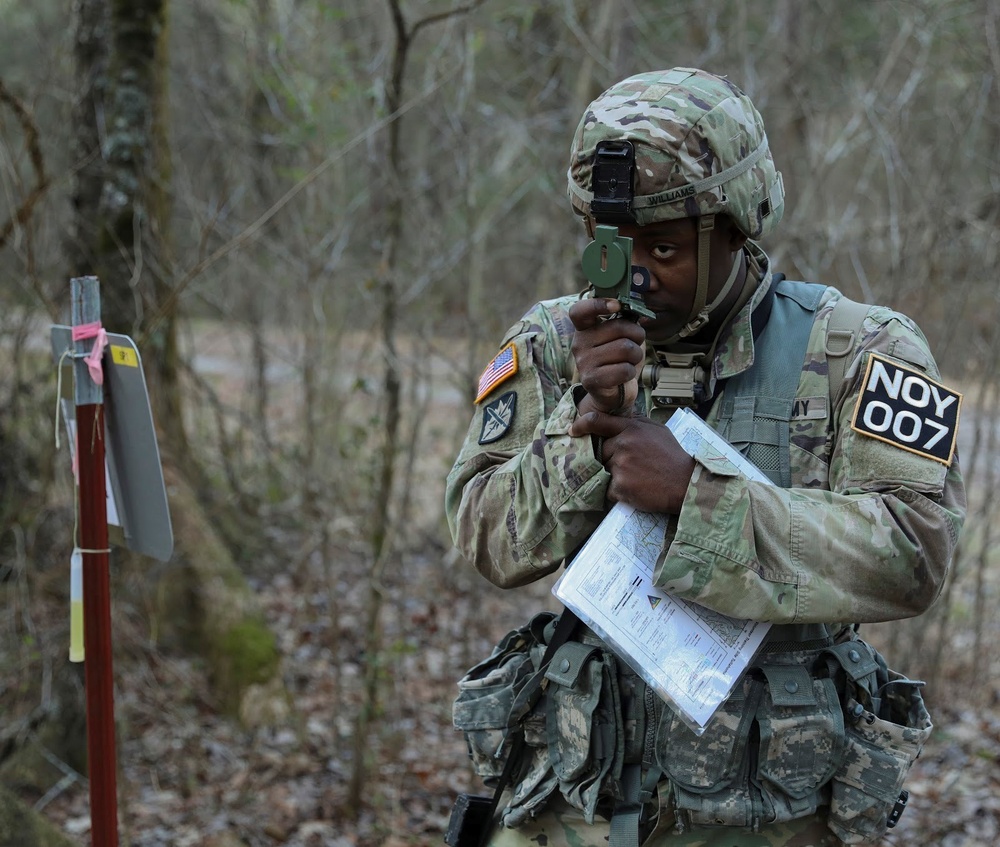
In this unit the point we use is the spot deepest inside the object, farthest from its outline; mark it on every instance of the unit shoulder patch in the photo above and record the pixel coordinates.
(906, 408)
(502, 368)
(497, 417)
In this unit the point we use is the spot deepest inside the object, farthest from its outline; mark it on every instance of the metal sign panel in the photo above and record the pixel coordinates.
(133, 455)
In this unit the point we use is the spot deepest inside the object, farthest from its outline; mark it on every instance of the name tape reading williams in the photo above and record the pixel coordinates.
(904, 407)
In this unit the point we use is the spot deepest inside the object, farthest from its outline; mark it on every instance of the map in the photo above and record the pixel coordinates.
(691, 656)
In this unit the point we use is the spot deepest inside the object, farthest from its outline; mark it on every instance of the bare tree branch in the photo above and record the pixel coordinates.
(250, 233)
(25, 119)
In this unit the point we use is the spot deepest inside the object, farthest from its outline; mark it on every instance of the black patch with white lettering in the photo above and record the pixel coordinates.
(497, 417)
(904, 407)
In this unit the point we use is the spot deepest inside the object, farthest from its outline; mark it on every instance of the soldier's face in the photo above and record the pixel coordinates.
(669, 251)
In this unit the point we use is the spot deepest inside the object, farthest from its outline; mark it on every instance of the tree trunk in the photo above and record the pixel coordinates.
(90, 49)
(124, 187)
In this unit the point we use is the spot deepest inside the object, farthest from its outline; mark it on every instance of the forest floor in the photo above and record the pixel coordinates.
(191, 777)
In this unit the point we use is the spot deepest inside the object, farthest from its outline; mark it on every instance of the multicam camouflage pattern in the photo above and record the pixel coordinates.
(688, 127)
(865, 533)
(519, 506)
(855, 501)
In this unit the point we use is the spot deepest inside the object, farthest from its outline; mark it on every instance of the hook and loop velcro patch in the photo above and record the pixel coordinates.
(904, 407)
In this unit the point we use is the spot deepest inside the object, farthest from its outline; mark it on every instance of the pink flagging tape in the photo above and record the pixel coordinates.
(93, 358)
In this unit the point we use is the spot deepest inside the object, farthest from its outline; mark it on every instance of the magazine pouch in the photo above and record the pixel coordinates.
(569, 712)
(765, 755)
(485, 707)
(802, 740)
(706, 771)
(887, 725)
(584, 723)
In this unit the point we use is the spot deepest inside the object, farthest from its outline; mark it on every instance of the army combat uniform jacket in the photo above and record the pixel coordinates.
(865, 531)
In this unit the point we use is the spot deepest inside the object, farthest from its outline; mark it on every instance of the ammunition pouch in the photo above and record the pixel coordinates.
(887, 725)
(826, 728)
(484, 709)
(572, 730)
(832, 729)
(766, 755)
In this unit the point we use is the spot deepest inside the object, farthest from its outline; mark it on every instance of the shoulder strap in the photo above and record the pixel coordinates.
(842, 335)
(757, 404)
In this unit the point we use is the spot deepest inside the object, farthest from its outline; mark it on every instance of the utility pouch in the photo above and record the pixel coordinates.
(583, 720)
(887, 725)
(574, 702)
(470, 817)
(681, 754)
(485, 707)
(707, 787)
(801, 739)
(555, 702)
(728, 777)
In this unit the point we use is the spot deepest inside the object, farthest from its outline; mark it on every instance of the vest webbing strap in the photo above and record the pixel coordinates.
(842, 336)
(624, 830)
(757, 404)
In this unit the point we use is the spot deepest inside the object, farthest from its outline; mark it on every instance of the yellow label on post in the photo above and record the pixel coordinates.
(76, 607)
(124, 356)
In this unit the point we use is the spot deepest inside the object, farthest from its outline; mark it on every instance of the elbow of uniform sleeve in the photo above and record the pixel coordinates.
(933, 527)
(517, 520)
(482, 541)
(511, 544)
(914, 552)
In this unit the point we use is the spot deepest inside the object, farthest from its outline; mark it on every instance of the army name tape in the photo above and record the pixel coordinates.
(903, 407)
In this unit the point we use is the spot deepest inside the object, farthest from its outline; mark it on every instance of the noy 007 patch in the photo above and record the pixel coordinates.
(904, 407)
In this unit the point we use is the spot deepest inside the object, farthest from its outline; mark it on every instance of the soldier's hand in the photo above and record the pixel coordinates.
(608, 354)
(649, 469)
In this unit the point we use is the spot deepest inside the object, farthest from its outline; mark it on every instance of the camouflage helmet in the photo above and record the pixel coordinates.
(700, 149)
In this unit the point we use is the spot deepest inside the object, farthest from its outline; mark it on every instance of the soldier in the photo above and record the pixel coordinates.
(841, 405)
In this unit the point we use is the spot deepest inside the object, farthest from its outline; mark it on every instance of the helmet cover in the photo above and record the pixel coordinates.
(700, 149)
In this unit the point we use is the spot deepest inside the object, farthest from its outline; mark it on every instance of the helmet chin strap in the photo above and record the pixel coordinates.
(700, 312)
(681, 374)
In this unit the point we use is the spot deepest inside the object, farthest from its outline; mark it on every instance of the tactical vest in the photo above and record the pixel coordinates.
(756, 408)
(757, 404)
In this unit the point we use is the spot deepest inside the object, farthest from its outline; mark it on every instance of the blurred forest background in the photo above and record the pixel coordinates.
(316, 218)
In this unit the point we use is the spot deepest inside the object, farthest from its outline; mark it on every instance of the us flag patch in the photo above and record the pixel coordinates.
(902, 406)
(503, 366)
